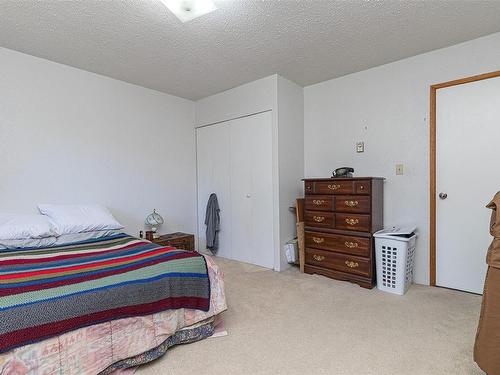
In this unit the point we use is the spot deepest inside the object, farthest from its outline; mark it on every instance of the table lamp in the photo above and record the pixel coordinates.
(154, 220)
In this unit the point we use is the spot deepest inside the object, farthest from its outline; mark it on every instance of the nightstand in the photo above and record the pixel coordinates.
(178, 240)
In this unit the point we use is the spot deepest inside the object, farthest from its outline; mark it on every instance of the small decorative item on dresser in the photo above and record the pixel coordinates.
(341, 215)
(343, 172)
(178, 240)
(154, 220)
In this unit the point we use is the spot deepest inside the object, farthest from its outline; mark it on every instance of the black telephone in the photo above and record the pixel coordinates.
(343, 172)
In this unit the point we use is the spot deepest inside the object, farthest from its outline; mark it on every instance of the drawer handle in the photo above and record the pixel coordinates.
(318, 202)
(318, 239)
(319, 219)
(334, 187)
(318, 258)
(351, 203)
(351, 264)
(351, 245)
(350, 221)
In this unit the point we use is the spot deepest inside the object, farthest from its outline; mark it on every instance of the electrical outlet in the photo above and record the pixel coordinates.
(399, 169)
(360, 146)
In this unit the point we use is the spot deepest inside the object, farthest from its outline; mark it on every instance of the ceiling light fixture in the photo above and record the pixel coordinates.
(186, 10)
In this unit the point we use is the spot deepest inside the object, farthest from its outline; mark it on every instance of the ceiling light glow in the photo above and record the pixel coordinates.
(186, 10)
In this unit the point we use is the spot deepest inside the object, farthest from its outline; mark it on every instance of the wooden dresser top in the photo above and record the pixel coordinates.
(342, 178)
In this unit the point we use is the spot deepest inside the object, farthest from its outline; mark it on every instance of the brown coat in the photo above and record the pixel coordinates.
(487, 347)
(493, 258)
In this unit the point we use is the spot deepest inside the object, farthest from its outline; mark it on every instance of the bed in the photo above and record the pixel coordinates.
(61, 314)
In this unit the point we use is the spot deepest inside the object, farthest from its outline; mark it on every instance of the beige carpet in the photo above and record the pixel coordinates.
(292, 323)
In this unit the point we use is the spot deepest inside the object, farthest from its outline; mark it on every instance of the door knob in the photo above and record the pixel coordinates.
(443, 195)
(248, 195)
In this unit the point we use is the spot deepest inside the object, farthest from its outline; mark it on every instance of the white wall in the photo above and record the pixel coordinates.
(291, 155)
(70, 136)
(285, 101)
(253, 97)
(250, 98)
(388, 108)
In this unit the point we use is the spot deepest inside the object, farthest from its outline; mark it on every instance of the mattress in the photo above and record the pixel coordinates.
(93, 349)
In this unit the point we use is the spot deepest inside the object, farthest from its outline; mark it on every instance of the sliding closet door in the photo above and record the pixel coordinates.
(241, 182)
(261, 209)
(251, 189)
(235, 162)
(213, 169)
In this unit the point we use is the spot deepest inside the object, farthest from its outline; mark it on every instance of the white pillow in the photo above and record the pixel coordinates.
(27, 242)
(79, 218)
(16, 226)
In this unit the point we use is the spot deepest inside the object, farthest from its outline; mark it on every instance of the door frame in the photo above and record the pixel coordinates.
(432, 160)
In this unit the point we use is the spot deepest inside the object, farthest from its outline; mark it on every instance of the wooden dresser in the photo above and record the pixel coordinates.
(179, 240)
(341, 215)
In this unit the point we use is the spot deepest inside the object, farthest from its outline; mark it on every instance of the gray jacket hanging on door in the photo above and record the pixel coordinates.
(212, 221)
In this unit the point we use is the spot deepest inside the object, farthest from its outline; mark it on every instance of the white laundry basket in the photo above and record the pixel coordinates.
(395, 256)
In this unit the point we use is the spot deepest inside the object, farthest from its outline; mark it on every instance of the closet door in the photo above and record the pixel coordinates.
(251, 189)
(241, 146)
(261, 209)
(213, 170)
(234, 160)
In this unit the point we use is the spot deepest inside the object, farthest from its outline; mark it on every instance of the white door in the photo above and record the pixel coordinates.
(213, 169)
(467, 156)
(251, 189)
(235, 162)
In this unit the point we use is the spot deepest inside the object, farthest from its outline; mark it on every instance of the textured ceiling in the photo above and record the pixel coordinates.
(306, 41)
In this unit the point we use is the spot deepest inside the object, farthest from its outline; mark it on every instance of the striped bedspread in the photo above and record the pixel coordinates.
(49, 291)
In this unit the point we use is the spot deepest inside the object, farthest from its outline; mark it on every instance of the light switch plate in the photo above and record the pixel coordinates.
(399, 169)
(360, 146)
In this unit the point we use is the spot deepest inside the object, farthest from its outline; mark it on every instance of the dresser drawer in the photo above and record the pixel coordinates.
(352, 222)
(334, 187)
(319, 203)
(353, 203)
(362, 187)
(178, 244)
(335, 242)
(339, 262)
(309, 187)
(319, 219)
(179, 240)
(183, 245)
